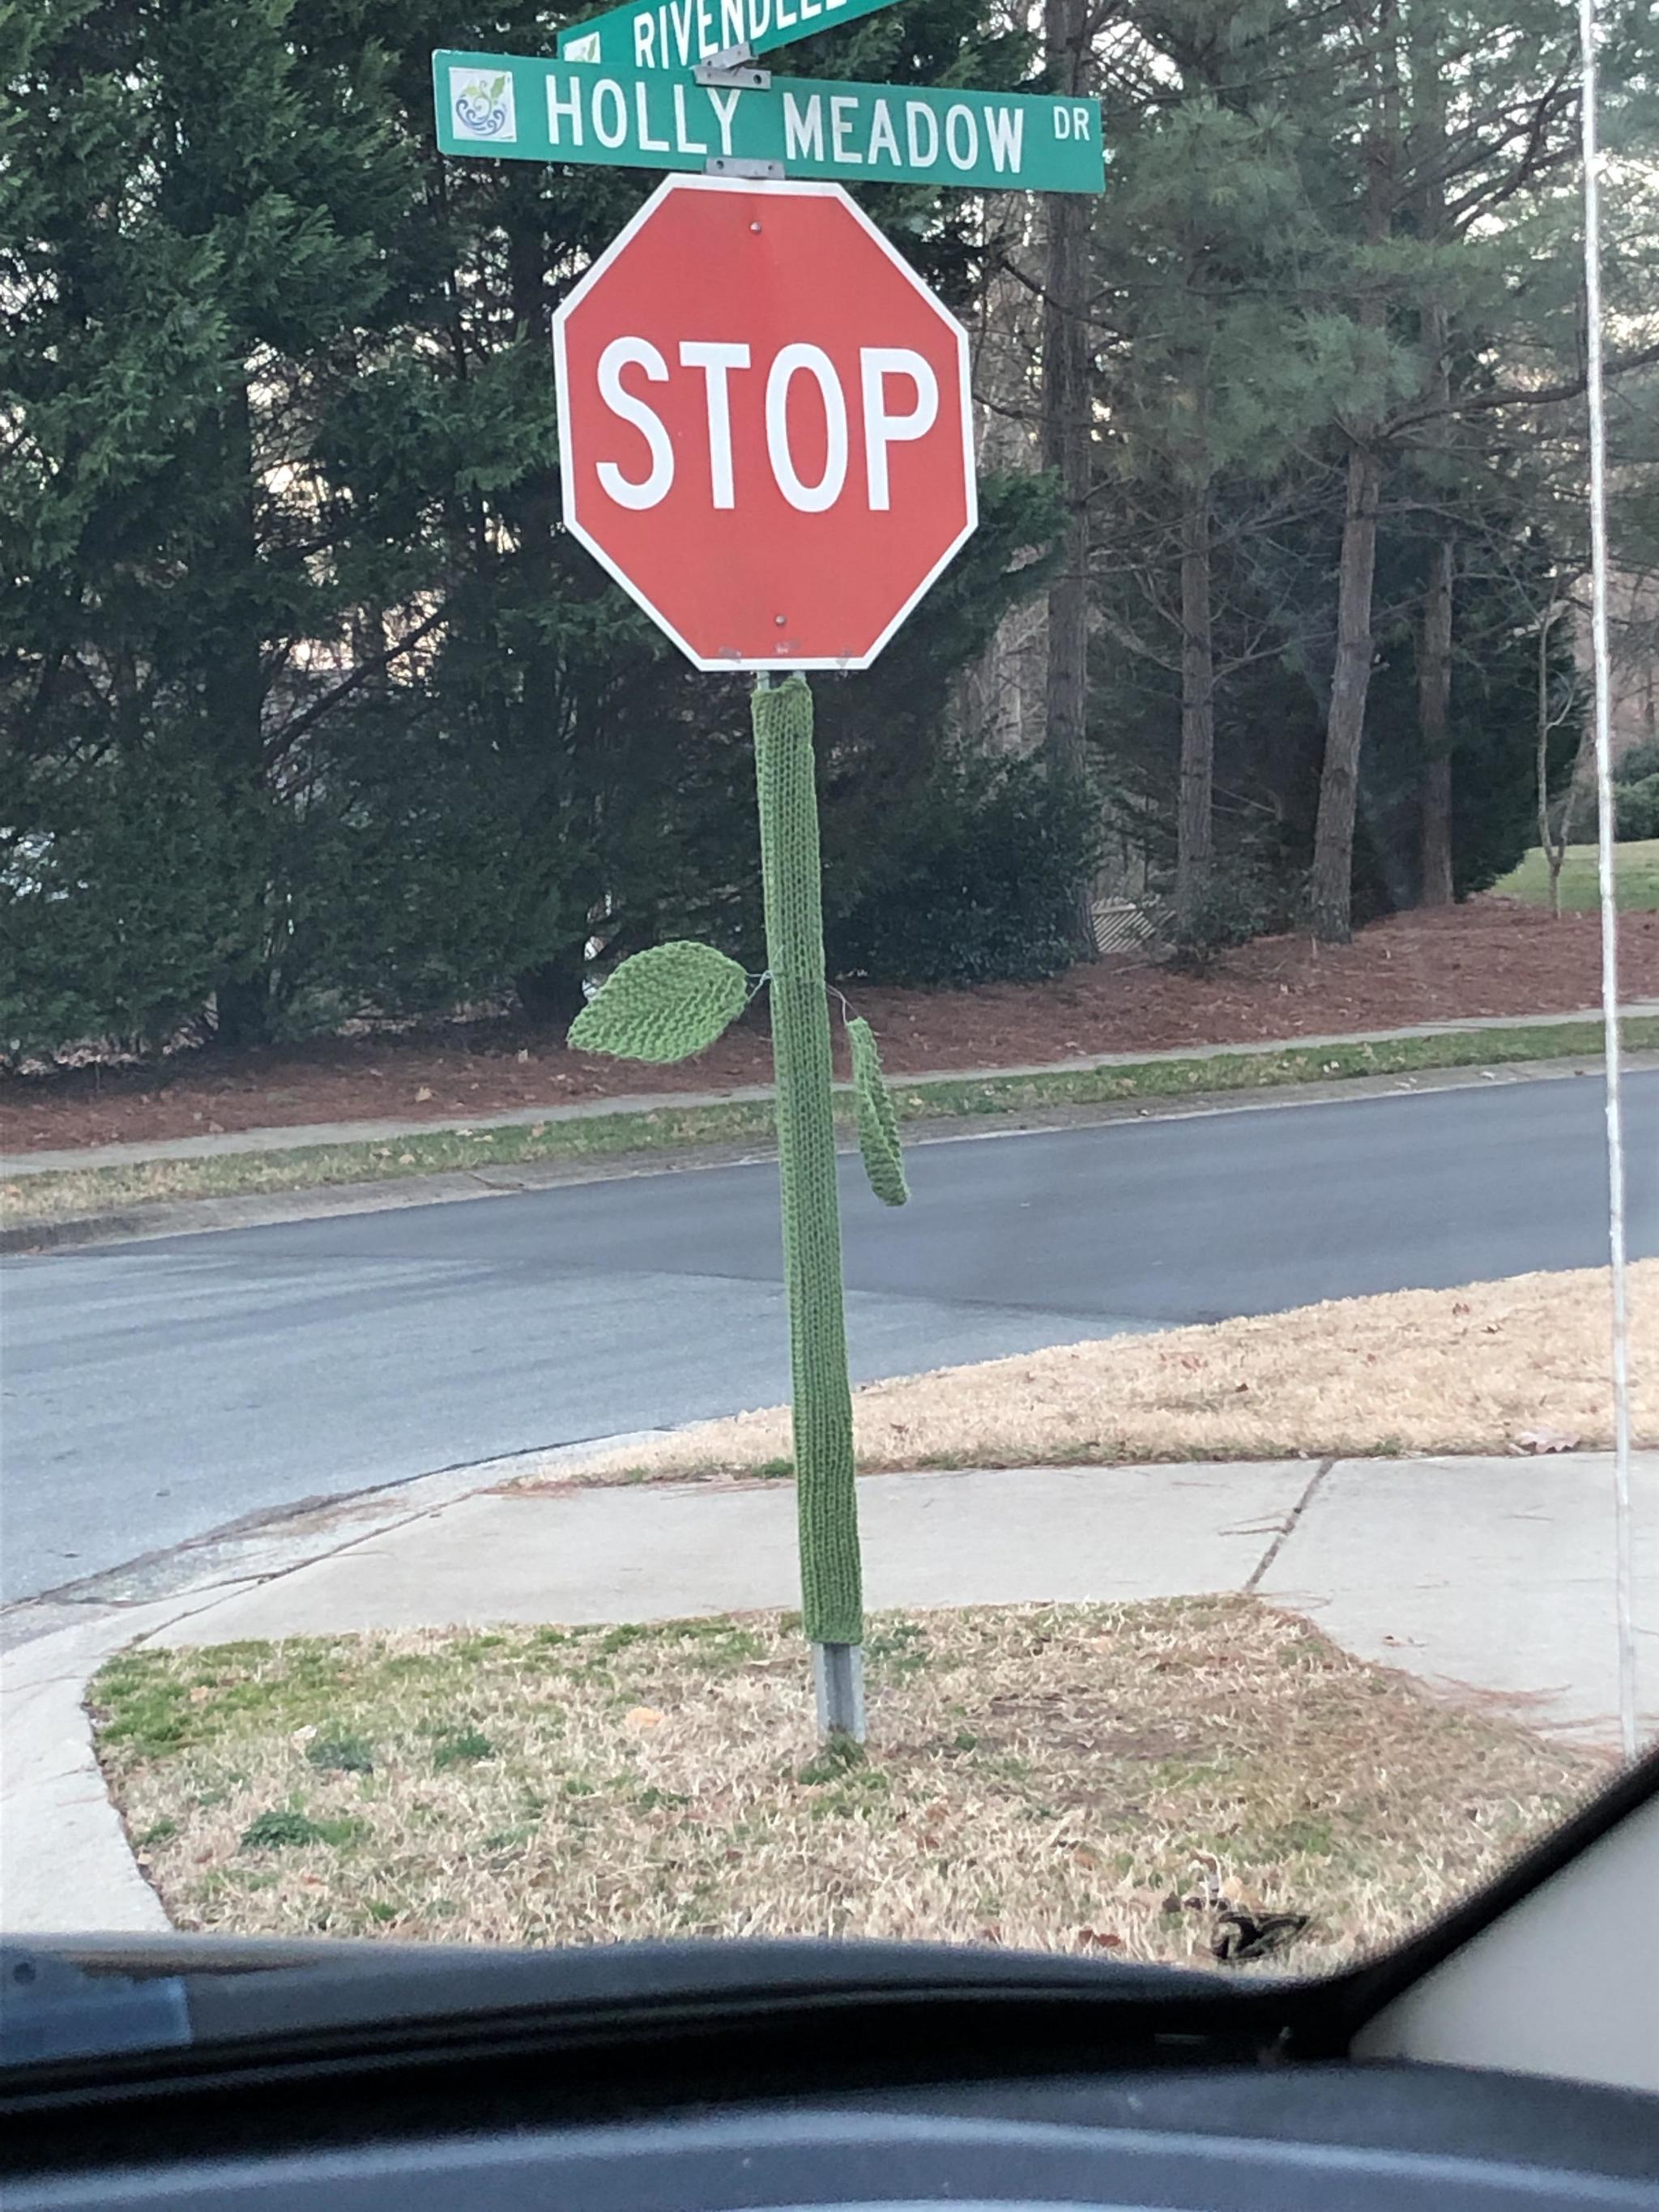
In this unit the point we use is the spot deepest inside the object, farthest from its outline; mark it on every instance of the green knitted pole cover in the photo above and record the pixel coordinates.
(832, 1589)
(878, 1124)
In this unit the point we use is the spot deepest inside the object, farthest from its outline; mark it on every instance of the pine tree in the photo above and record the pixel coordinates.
(197, 200)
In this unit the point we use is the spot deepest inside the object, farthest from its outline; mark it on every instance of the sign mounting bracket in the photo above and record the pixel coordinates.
(732, 67)
(730, 165)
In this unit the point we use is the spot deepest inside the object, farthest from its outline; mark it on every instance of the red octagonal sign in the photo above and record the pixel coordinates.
(764, 422)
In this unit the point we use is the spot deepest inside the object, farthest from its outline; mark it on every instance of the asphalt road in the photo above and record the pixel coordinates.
(156, 1391)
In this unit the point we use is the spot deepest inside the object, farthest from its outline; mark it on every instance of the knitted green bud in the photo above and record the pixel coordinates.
(878, 1136)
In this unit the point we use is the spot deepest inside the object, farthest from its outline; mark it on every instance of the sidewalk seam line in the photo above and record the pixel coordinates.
(1289, 1528)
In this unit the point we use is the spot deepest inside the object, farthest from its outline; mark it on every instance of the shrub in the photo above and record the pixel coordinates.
(1637, 809)
(1238, 900)
(974, 882)
(127, 885)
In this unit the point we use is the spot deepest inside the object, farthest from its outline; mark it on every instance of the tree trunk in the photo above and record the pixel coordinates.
(1338, 781)
(551, 990)
(1552, 856)
(1434, 637)
(232, 698)
(1194, 817)
(1066, 446)
(1434, 719)
(1552, 844)
(1351, 679)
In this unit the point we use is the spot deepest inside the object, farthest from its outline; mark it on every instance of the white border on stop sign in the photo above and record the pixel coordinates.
(801, 188)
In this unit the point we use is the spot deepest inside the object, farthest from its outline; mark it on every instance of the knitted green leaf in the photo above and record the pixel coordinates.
(662, 1004)
(878, 1136)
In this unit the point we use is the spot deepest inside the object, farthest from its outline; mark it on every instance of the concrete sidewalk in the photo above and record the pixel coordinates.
(300, 1135)
(1488, 1579)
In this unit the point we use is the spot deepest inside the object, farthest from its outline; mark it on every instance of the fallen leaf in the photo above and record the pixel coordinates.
(1099, 1939)
(423, 1094)
(200, 1694)
(522, 1056)
(643, 1717)
(1462, 1306)
(1541, 1440)
(406, 1159)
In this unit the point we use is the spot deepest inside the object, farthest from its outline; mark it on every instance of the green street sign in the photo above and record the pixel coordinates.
(680, 33)
(517, 109)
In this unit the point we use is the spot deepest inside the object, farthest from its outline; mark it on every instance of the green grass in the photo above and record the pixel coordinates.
(1067, 1776)
(1635, 875)
(76, 1193)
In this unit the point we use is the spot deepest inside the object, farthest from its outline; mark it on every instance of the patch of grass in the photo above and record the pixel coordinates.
(897, 1650)
(1636, 879)
(1470, 1370)
(341, 1754)
(71, 1194)
(281, 1827)
(840, 1756)
(1051, 1777)
(461, 1747)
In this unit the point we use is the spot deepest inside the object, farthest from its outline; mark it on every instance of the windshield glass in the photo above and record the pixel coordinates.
(818, 843)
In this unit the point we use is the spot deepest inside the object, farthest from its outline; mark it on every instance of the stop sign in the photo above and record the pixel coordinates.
(764, 423)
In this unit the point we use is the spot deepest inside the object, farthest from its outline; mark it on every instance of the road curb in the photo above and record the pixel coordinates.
(297, 1137)
(66, 1863)
(326, 1200)
(81, 1229)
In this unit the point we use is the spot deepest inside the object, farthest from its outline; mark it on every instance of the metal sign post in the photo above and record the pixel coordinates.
(766, 436)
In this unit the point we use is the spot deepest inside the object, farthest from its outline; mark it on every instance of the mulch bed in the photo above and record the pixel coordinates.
(1494, 956)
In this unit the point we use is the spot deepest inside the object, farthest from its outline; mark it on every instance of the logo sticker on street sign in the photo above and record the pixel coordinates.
(680, 33)
(765, 425)
(481, 107)
(869, 133)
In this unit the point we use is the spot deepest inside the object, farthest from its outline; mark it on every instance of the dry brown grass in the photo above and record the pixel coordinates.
(1044, 1777)
(1464, 1371)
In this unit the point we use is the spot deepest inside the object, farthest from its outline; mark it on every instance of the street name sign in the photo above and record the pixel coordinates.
(765, 423)
(536, 110)
(680, 33)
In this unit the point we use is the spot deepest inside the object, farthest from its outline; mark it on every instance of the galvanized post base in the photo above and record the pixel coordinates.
(838, 1679)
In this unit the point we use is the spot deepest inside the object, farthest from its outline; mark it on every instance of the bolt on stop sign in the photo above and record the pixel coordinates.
(764, 422)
